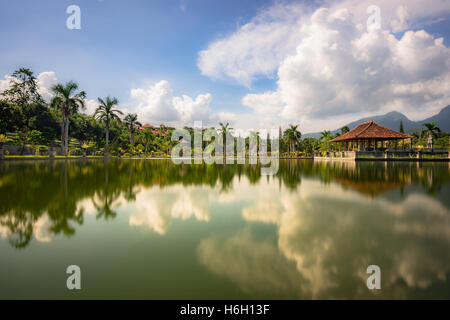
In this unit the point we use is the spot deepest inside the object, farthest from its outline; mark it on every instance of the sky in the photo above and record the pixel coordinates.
(256, 64)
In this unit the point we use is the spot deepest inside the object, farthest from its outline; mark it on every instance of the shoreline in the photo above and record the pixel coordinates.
(161, 158)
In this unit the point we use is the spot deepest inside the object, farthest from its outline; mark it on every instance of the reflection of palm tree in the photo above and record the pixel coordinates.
(107, 198)
(105, 208)
(130, 195)
(20, 224)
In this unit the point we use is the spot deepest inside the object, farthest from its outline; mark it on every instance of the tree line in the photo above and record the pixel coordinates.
(28, 121)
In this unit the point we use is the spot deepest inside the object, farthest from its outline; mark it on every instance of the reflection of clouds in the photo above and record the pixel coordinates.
(40, 227)
(155, 208)
(331, 235)
(253, 264)
(4, 231)
(87, 205)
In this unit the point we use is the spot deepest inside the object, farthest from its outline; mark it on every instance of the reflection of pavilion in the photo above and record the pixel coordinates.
(369, 188)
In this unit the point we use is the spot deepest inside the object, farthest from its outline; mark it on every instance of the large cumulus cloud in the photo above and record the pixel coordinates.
(330, 66)
(158, 103)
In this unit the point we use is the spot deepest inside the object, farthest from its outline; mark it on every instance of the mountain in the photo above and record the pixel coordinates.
(442, 119)
(392, 119)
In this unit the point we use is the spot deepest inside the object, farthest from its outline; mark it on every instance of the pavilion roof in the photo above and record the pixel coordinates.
(371, 130)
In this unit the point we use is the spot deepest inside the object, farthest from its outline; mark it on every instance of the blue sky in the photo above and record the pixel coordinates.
(124, 45)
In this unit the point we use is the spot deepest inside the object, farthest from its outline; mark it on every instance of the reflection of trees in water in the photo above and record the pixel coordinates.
(28, 190)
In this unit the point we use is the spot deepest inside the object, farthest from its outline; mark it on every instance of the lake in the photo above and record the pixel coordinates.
(150, 229)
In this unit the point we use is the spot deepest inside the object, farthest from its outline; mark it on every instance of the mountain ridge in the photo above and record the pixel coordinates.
(392, 119)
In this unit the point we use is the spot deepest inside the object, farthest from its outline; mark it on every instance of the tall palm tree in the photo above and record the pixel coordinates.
(67, 102)
(292, 136)
(225, 130)
(326, 136)
(131, 122)
(147, 138)
(431, 130)
(253, 135)
(106, 113)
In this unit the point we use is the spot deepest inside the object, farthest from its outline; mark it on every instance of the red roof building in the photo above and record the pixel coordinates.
(157, 131)
(368, 134)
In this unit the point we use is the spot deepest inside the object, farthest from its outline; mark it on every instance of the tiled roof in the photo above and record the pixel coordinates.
(156, 131)
(371, 130)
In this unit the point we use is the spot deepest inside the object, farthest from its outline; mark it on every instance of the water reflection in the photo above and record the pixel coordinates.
(324, 241)
(53, 196)
(308, 232)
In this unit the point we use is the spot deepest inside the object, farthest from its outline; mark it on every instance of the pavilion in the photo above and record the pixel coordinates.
(370, 136)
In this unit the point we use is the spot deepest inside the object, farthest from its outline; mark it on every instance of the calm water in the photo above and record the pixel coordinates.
(155, 230)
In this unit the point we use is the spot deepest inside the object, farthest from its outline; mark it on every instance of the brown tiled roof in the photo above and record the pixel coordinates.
(156, 131)
(371, 130)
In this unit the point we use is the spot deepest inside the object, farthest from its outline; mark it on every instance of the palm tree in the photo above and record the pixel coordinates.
(253, 135)
(106, 113)
(67, 102)
(147, 138)
(225, 130)
(326, 136)
(131, 123)
(431, 131)
(292, 136)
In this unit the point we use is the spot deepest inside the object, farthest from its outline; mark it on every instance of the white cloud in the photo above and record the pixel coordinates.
(328, 64)
(157, 103)
(340, 68)
(256, 48)
(4, 84)
(46, 80)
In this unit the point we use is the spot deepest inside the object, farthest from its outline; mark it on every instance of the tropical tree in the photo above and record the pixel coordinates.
(67, 102)
(225, 130)
(253, 135)
(292, 136)
(132, 123)
(147, 139)
(23, 92)
(106, 113)
(3, 140)
(326, 137)
(431, 131)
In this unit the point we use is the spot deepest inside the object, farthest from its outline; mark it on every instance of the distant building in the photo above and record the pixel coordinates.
(161, 131)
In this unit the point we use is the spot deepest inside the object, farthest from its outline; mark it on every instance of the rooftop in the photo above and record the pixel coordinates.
(371, 130)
